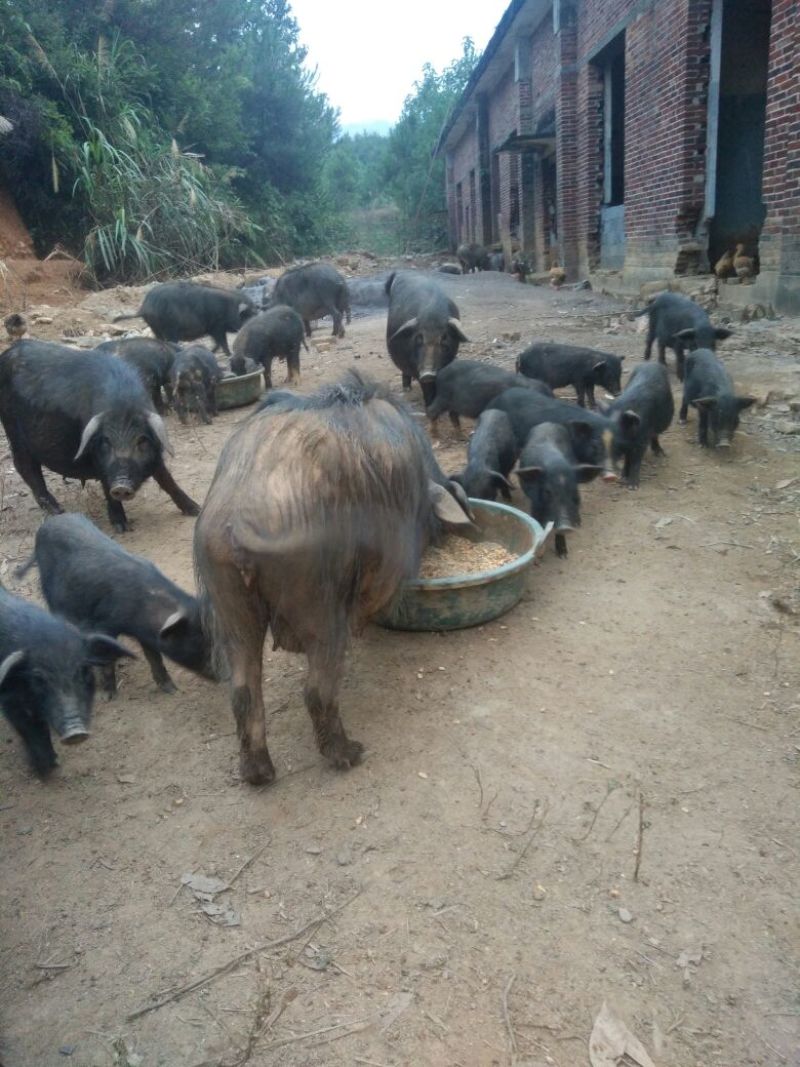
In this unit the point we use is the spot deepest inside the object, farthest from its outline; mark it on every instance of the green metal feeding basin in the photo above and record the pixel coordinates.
(239, 389)
(472, 599)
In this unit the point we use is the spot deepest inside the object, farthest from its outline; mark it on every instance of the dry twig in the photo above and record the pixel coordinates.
(243, 957)
(532, 830)
(512, 1037)
(639, 839)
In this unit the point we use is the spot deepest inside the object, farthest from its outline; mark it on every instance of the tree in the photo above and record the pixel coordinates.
(413, 176)
(195, 113)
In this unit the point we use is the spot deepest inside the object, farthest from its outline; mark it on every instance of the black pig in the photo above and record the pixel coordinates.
(46, 677)
(151, 359)
(709, 388)
(466, 386)
(548, 474)
(314, 290)
(584, 368)
(491, 453)
(185, 311)
(423, 330)
(274, 334)
(89, 579)
(83, 415)
(194, 378)
(678, 323)
(642, 411)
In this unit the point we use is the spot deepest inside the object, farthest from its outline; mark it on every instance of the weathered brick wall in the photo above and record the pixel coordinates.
(503, 120)
(780, 242)
(464, 159)
(567, 150)
(544, 70)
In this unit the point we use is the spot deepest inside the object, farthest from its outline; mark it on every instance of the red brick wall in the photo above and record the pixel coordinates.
(780, 243)
(667, 59)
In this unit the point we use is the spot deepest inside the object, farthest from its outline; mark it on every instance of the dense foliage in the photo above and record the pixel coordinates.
(161, 136)
(414, 179)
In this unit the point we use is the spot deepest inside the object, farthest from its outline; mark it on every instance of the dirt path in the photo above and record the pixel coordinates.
(644, 695)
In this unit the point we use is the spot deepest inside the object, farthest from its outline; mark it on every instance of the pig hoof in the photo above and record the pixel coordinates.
(343, 753)
(190, 508)
(168, 686)
(256, 768)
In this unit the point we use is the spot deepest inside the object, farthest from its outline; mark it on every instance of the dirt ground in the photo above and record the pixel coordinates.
(468, 895)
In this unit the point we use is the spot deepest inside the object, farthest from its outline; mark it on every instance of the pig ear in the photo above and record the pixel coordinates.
(686, 335)
(459, 492)
(721, 333)
(407, 327)
(455, 326)
(629, 421)
(745, 402)
(176, 621)
(156, 424)
(101, 650)
(89, 430)
(10, 664)
(445, 506)
(704, 402)
(529, 474)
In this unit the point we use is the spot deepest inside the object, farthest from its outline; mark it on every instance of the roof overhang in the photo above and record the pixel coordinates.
(520, 20)
(527, 143)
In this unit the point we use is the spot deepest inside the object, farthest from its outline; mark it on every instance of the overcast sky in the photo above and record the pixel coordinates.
(370, 52)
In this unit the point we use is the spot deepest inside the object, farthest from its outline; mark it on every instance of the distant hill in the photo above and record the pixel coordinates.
(380, 126)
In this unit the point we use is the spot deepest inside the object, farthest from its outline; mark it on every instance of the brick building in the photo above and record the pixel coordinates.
(644, 136)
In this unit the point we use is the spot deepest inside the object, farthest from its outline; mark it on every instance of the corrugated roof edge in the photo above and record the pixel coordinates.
(501, 30)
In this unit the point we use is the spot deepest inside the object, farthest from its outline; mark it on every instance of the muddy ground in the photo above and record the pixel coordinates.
(467, 896)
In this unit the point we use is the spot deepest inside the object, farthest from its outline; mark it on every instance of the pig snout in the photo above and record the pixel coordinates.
(72, 730)
(122, 491)
(427, 381)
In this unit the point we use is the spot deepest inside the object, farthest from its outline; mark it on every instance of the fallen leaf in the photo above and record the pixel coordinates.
(220, 914)
(199, 883)
(611, 1040)
(667, 520)
(687, 957)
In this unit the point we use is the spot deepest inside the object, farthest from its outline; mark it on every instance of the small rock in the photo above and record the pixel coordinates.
(314, 850)
(785, 483)
(539, 892)
(625, 916)
(23, 831)
(511, 335)
(67, 1050)
(787, 426)
(344, 858)
(43, 320)
(126, 779)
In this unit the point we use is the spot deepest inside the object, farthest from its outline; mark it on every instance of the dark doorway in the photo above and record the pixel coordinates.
(495, 195)
(740, 39)
(611, 67)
